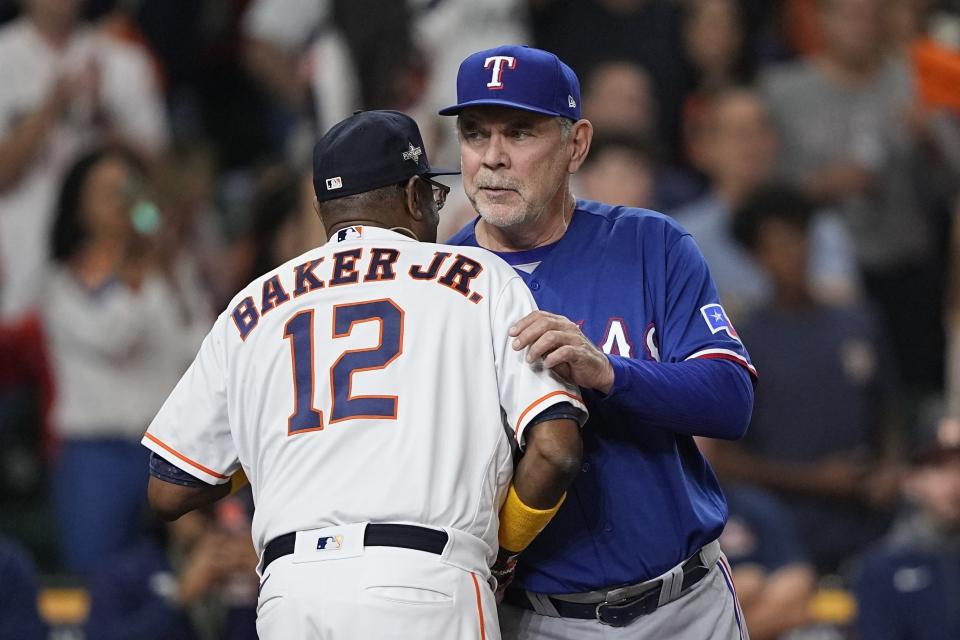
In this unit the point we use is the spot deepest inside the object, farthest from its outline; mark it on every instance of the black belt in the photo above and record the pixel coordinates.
(406, 536)
(619, 613)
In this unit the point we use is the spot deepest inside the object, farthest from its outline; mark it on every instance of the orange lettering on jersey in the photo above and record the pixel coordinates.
(417, 272)
(274, 295)
(459, 275)
(381, 265)
(345, 268)
(304, 278)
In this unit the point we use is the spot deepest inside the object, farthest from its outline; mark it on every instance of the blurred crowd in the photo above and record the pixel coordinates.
(155, 157)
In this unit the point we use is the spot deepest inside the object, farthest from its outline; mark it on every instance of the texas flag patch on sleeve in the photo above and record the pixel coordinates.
(717, 320)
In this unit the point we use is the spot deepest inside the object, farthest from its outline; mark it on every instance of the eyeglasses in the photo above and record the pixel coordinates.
(440, 191)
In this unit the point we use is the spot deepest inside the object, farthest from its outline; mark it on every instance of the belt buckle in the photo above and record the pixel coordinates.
(632, 608)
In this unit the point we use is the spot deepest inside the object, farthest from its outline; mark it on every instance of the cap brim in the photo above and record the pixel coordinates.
(490, 102)
(441, 171)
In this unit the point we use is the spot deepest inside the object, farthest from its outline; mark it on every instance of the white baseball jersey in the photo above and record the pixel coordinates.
(370, 379)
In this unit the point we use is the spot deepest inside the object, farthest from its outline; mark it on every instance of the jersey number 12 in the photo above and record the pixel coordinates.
(344, 405)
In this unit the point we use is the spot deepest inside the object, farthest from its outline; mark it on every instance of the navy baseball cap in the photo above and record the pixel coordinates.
(369, 150)
(520, 78)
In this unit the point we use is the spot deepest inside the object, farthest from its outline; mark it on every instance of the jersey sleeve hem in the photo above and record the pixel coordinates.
(725, 354)
(541, 403)
(192, 467)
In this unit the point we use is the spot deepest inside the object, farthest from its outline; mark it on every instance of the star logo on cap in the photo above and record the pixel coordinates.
(413, 153)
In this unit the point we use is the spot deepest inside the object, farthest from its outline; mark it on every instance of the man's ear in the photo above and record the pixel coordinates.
(580, 139)
(413, 198)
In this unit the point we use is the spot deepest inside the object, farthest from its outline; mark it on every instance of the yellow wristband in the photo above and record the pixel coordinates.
(520, 523)
(238, 481)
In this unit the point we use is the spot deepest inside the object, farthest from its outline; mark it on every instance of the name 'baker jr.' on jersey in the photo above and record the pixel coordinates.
(369, 391)
(355, 341)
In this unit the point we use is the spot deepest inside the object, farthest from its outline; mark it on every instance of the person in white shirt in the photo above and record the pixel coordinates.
(121, 330)
(65, 87)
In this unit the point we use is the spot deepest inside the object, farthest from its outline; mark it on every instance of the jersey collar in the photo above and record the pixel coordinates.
(362, 232)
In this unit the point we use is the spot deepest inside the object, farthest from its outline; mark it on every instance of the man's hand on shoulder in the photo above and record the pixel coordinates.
(564, 349)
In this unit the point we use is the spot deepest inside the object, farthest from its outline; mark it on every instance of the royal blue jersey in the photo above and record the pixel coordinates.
(646, 499)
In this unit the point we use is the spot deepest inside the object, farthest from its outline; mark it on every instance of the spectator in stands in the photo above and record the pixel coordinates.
(907, 587)
(618, 100)
(64, 86)
(775, 580)
(283, 224)
(714, 43)
(618, 96)
(619, 170)
(734, 144)
(333, 57)
(823, 433)
(194, 579)
(952, 321)
(19, 616)
(644, 32)
(842, 116)
(120, 334)
(195, 238)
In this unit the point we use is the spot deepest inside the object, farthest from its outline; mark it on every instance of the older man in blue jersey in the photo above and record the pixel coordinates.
(633, 551)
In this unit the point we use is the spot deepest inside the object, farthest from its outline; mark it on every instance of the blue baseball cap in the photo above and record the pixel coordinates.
(517, 77)
(368, 150)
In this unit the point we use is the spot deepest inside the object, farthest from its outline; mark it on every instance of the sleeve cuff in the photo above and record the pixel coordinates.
(725, 354)
(619, 377)
(173, 456)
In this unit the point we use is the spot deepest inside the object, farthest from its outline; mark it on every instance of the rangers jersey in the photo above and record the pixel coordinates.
(646, 499)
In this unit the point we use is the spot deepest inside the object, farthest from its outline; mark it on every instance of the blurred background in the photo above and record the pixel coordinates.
(155, 157)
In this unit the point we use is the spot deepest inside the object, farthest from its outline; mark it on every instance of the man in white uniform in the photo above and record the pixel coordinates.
(370, 391)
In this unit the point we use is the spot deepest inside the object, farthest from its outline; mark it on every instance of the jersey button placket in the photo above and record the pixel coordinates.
(534, 285)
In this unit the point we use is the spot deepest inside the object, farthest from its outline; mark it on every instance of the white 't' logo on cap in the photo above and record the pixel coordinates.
(497, 62)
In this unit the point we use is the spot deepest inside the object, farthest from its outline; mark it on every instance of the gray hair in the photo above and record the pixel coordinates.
(566, 129)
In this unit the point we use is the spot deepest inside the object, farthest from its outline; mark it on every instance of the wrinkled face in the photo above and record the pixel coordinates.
(514, 163)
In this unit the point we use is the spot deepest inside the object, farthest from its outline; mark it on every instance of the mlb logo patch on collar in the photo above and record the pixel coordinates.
(717, 320)
(349, 233)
